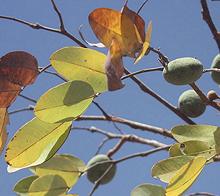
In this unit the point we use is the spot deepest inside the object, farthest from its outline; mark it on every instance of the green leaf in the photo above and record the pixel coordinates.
(49, 185)
(217, 140)
(23, 185)
(184, 178)
(148, 190)
(66, 166)
(193, 148)
(84, 64)
(64, 102)
(166, 169)
(175, 150)
(32, 143)
(204, 133)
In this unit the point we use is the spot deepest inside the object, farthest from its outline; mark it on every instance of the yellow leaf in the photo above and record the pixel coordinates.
(4, 120)
(146, 43)
(185, 177)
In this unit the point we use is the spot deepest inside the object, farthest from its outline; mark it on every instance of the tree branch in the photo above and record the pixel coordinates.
(147, 90)
(124, 137)
(142, 71)
(208, 19)
(132, 124)
(39, 26)
(62, 28)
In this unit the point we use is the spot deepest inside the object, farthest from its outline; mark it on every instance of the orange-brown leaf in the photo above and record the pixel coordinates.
(19, 67)
(4, 120)
(137, 20)
(109, 24)
(8, 92)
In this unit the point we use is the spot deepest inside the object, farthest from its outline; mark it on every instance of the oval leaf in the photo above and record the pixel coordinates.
(204, 133)
(19, 67)
(49, 185)
(64, 102)
(8, 92)
(184, 178)
(148, 190)
(84, 64)
(32, 143)
(66, 166)
(166, 169)
(23, 185)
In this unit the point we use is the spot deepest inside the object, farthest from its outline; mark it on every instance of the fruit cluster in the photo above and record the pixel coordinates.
(187, 70)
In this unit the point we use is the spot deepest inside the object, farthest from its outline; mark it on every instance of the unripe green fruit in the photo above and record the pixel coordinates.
(191, 104)
(96, 172)
(183, 71)
(216, 64)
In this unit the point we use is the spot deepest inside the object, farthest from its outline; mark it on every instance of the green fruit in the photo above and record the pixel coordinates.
(183, 71)
(96, 172)
(191, 104)
(216, 64)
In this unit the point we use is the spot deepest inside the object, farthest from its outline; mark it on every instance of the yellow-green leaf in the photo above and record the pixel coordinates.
(33, 142)
(66, 166)
(49, 185)
(148, 190)
(203, 133)
(84, 64)
(23, 185)
(64, 102)
(184, 178)
(166, 169)
(193, 148)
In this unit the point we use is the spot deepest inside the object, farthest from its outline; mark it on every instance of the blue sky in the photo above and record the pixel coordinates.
(178, 29)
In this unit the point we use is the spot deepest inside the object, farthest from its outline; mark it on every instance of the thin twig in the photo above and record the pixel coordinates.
(142, 71)
(39, 26)
(147, 90)
(43, 69)
(104, 141)
(143, 4)
(204, 98)
(208, 19)
(117, 147)
(211, 70)
(142, 154)
(131, 156)
(162, 58)
(97, 183)
(62, 28)
(106, 115)
(29, 108)
(28, 98)
(125, 137)
(201, 194)
(55, 74)
(130, 123)
(101, 109)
